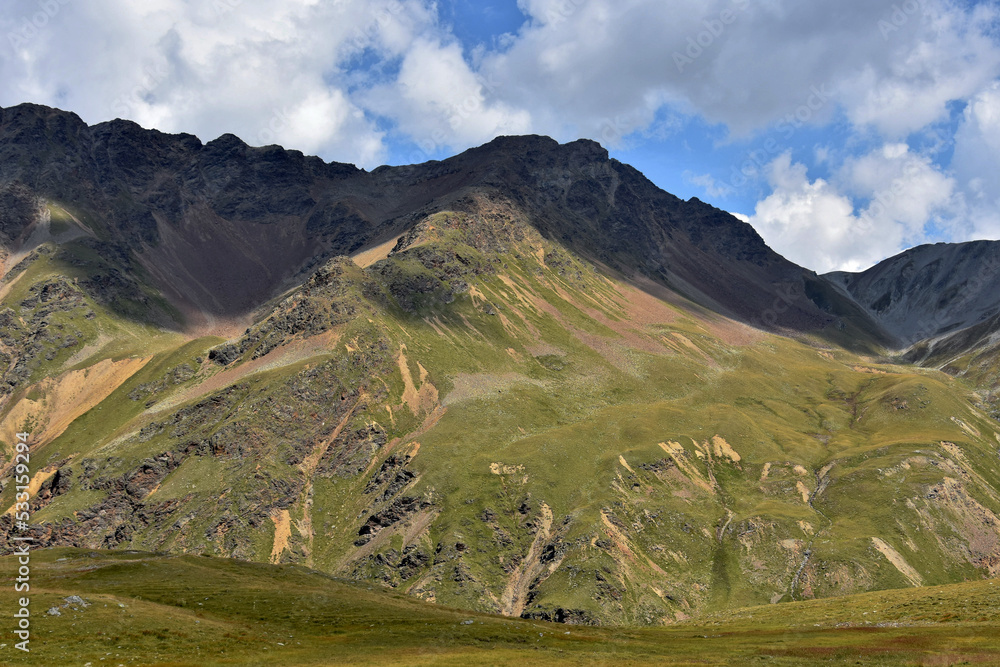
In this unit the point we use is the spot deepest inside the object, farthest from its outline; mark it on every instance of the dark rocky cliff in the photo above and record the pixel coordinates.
(221, 227)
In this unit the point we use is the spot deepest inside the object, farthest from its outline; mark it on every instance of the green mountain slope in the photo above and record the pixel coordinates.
(143, 609)
(485, 420)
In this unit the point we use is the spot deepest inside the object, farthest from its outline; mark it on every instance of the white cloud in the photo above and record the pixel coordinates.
(440, 102)
(604, 69)
(270, 72)
(709, 184)
(904, 189)
(977, 163)
(939, 55)
(580, 64)
(807, 222)
(817, 225)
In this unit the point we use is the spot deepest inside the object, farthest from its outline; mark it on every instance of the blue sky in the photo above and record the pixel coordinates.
(843, 131)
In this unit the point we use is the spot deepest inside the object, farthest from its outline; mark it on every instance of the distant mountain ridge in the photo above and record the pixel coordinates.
(942, 304)
(929, 290)
(221, 227)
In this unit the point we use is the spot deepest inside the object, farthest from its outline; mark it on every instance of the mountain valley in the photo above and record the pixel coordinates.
(523, 381)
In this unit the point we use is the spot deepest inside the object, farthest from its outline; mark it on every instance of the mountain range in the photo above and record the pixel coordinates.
(523, 380)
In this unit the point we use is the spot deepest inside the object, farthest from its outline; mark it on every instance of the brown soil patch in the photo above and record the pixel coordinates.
(898, 562)
(286, 355)
(680, 459)
(803, 491)
(622, 543)
(66, 397)
(413, 527)
(515, 594)
(366, 258)
(420, 401)
(686, 342)
(632, 336)
(282, 533)
(969, 429)
(523, 296)
(723, 449)
(418, 525)
(440, 328)
(7, 287)
(728, 331)
(35, 484)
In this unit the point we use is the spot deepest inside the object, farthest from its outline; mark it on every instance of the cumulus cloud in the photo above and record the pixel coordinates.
(904, 189)
(819, 225)
(746, 64)
(603, 69)
(935, 54)
(269, 72)
(809, 222)
(977, 163)
(438, 101)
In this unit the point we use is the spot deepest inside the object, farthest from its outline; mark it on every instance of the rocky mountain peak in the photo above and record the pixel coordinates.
(221, 227)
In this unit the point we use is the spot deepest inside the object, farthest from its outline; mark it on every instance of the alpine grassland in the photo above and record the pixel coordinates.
(134, 608)
(574, 466)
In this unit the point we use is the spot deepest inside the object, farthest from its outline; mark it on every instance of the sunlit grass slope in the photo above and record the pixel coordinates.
(486, 421)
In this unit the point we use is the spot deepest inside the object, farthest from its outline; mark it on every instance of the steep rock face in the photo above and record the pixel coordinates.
(930, 290)
(217, 226)
(222, 227)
